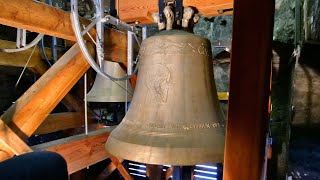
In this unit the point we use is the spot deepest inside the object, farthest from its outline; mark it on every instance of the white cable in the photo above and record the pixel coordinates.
(25, 66)
(85, 105)
(89, 35)
(33, 43)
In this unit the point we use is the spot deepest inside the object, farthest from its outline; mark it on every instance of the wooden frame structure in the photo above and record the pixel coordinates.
(245, 128)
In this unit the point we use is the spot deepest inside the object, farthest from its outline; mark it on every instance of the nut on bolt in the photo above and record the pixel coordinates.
(221, 11)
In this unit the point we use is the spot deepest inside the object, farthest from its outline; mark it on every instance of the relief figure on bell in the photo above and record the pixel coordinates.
(158, 82)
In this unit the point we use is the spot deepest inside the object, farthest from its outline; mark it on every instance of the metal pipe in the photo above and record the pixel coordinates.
(44, 52)
(144, 32)
(54, 49)
(85, 105)
(33, 43)
(130, 56)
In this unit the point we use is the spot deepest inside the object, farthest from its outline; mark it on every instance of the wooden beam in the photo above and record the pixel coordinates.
(121, 169)
(73, 103)
(30, 110)
(38, 17)
(108, 170)
(80, 151)
(249, 77)
(141, 10)
(19, 59)
(63, 121)
(9, 139)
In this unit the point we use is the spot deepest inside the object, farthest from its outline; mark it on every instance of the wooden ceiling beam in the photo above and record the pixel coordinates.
(37, 17)
(41, 18)
(141, 10)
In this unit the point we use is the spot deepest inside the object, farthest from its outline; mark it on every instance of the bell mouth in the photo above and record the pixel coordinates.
(175, 156)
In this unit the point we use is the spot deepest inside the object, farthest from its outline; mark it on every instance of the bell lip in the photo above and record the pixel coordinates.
(184, 154)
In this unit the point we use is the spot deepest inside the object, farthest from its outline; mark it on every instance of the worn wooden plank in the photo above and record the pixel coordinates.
(80, 151)
(9, 139)
(141, 10)
(30, 110)
(249, 77)
(63, 121)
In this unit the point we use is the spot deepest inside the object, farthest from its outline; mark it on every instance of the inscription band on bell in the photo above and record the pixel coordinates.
(176, 126)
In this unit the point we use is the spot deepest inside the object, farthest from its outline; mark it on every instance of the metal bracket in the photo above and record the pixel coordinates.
(21, 38)
(178, 8)
(120, 24)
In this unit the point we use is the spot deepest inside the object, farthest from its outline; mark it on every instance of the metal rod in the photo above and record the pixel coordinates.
(130, 56)
(54, 49)
(100, 34)
(85, 104)
(94, 22)
(25, 66)
(130, 53)
(298, 22)
(126, 105)
(144, 32)
(21, 38)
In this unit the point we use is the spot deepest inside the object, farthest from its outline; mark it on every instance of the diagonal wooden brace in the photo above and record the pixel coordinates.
(30, 110)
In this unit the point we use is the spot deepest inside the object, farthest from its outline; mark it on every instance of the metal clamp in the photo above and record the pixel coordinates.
(178, 8)
(120, 24)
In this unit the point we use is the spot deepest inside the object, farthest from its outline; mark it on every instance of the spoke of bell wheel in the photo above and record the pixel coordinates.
(100, 36)
(90, 26)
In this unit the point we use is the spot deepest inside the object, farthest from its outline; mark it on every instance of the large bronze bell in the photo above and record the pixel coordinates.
(174, 117)
(105, 90)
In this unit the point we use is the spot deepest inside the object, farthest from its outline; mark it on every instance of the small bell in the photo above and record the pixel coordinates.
(105, 90)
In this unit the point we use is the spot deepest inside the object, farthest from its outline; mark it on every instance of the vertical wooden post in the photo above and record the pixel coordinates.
(154, 172)
(250, 77)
